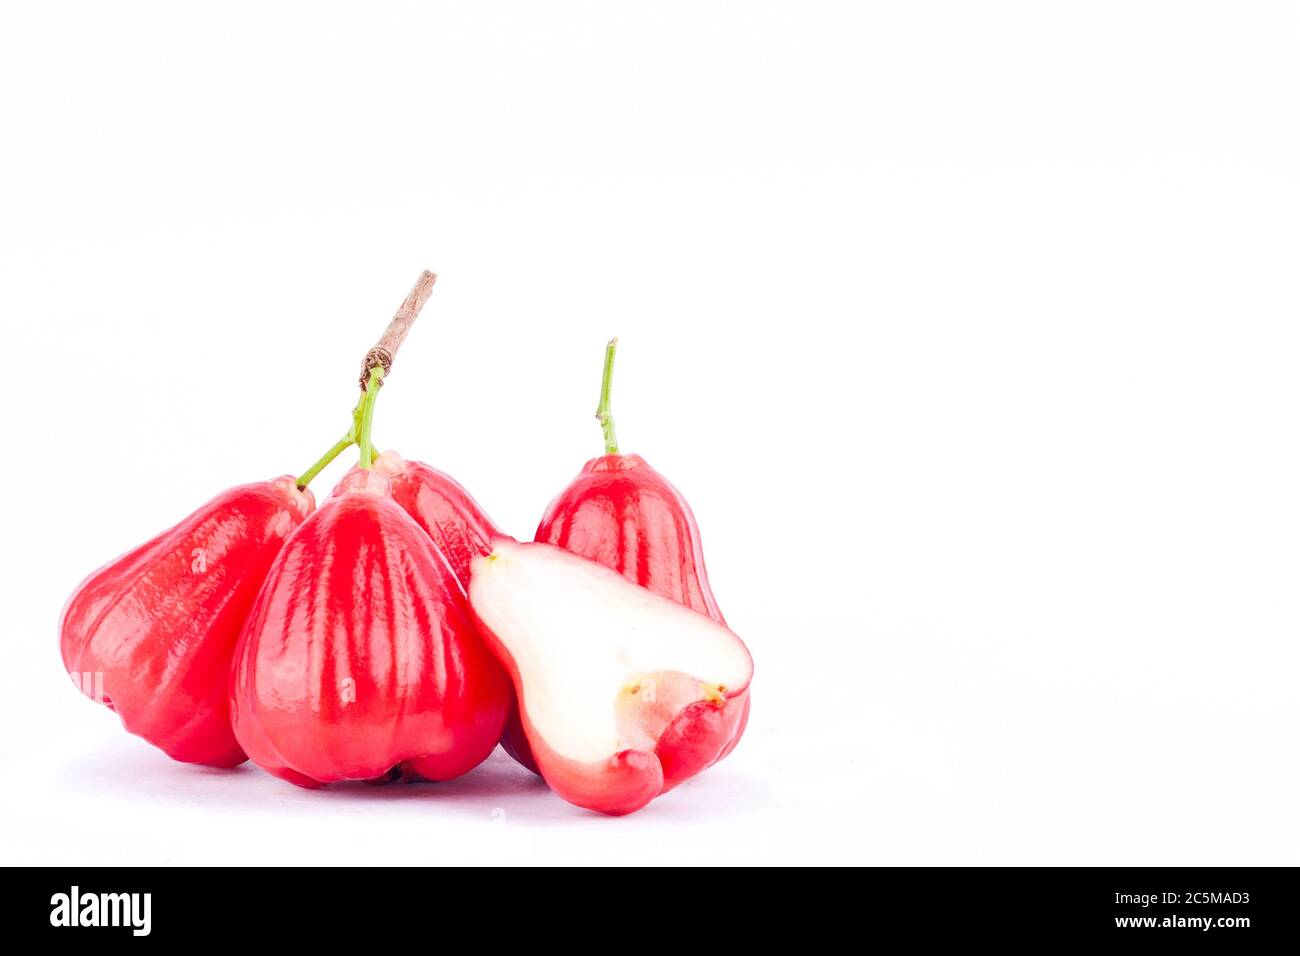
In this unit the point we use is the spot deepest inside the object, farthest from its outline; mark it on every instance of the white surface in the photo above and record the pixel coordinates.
(969, 331)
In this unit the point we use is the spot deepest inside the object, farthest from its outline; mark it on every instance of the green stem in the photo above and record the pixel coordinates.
(368, 415)
(603, 414)
(339, 448)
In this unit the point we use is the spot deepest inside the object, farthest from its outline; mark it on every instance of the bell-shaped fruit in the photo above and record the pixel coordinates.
(360, 656)
(622, 694)
(461, 530)
(459, 527)
(153, 633)
(622, 513)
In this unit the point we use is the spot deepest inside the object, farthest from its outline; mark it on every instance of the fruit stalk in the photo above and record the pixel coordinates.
(385, 350)
(603, 414)
(323, 461)
(376, 376)
(379, 358)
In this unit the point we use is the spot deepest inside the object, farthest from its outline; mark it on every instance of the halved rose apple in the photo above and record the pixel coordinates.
(622, 694)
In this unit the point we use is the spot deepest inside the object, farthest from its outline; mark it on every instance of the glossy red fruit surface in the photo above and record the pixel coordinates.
(459, 527)
(155, 630)
(623, 514)
(359, 655)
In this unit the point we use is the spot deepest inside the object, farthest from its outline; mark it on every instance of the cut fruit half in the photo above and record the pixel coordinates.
(623, 694)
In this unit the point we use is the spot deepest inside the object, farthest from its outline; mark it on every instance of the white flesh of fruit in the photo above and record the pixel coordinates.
(580, 635)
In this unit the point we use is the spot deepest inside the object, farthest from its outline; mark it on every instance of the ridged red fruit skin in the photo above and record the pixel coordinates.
(359, 655)
(458, 525)
(623, 514)
(460, 529)
(160, 623)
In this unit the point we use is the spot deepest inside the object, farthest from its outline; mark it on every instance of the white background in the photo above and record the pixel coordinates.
(969, 330)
